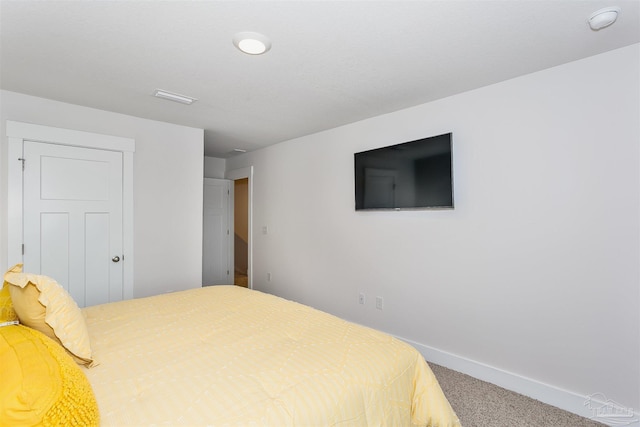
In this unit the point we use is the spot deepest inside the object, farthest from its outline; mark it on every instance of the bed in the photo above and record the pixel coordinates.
(230, 356)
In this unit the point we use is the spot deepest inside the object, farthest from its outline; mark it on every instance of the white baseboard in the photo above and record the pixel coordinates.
(563, 399)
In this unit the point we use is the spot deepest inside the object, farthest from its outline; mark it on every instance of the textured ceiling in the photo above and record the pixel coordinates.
(332, 62)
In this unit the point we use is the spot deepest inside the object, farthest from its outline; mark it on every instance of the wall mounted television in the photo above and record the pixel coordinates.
(411, 175)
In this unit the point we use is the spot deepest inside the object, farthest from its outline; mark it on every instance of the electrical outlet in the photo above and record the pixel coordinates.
(268, 277)
(379, 303)
(361, 298)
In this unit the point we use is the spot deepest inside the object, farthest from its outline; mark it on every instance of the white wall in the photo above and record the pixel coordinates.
(168, 170)
(214, 167)
(535, 272)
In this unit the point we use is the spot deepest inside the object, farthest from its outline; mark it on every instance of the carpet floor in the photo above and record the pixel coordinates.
(481, 404)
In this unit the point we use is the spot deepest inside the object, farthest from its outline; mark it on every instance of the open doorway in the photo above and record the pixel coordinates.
(243, 215)
(241, 232)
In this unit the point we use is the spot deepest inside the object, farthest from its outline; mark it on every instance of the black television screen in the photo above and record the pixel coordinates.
(411, 175)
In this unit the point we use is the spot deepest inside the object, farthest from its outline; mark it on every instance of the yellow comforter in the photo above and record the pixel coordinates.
(228, 356)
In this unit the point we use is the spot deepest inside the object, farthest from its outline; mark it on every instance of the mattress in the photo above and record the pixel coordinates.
(230, 356)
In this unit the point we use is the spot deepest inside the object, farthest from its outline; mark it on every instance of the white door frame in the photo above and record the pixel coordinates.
(233, 175)
(17, 133)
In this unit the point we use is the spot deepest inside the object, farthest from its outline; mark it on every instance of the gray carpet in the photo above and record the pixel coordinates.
(481, 404)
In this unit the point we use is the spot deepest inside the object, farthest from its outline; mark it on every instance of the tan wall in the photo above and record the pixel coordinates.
(241, 208)
(241, 224)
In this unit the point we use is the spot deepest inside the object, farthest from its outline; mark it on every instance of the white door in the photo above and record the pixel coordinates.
(216, 246)
(73, 219)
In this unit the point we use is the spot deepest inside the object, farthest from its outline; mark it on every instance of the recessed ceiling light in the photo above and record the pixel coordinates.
(239, 150)
(159, 93)
(603, 18)
(252, 43)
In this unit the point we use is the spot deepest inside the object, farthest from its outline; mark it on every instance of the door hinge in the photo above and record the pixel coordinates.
(227, 232)
(22, 160)
(23, 249)
(227, 272)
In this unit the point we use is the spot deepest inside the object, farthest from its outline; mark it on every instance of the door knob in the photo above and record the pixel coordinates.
(115, 258)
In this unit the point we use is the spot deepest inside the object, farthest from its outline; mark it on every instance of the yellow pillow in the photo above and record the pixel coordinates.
(7, 313)
(42, 304)
(41, 384)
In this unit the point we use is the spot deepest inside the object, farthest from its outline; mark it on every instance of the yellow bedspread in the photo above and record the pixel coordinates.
(229, 356)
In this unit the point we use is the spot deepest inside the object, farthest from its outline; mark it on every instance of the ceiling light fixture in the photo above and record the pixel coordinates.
(252, 43)
(159, 93)
(603, 18)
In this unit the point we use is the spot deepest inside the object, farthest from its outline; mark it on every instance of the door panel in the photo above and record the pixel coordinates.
(54, 238)
(96, 251)
(73, 219)
(74, 179)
